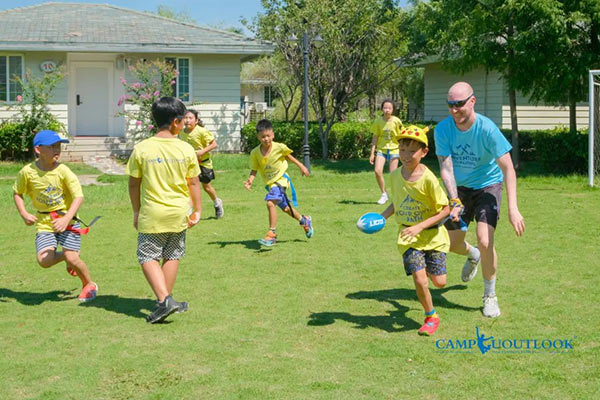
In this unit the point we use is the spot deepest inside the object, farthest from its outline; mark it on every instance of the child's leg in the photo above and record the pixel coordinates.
(208, 188)
(436, 267)
(394, 164)
(73, 261)
(292, 212)
(379, 164)
(170, 268)
(156, 278)
(272, 209)
(48, 257)
(423, 293)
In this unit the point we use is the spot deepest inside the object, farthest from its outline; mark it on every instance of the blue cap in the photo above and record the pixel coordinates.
(48, 138)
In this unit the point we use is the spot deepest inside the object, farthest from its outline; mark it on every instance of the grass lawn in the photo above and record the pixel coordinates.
(333, 317)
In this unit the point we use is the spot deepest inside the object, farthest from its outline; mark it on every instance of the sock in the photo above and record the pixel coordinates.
(489, 287)
(274, 230)
(431, 314)
(473, 252)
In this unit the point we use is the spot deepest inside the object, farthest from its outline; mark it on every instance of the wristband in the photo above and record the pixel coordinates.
(455, 203)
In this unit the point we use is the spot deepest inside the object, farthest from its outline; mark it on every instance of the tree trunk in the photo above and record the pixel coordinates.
(512, 98)
(372, 106)
(572, 110)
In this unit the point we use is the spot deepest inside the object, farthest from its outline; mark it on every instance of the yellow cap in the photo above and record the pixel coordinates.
(415, 133)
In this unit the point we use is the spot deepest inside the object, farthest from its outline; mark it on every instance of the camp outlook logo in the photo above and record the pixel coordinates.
(490, 344)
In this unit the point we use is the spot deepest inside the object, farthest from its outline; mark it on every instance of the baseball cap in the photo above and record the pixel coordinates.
(415, 133)
(48, 138)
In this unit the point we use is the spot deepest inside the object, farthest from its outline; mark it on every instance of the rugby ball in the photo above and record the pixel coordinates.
(370, 223)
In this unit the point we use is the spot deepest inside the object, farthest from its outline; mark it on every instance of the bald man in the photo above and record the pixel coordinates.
(474, 160)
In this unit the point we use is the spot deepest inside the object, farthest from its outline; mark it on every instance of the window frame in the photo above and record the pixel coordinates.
(7, 77)
(177, 94)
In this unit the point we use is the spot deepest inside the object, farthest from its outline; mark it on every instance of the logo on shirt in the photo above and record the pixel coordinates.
(50, 196)
(160, 160)
(463, 156)
(411, 210)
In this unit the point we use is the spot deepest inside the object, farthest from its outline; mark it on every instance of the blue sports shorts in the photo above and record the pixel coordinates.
(277, 195)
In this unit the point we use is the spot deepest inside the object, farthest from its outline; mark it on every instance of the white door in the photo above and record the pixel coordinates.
(92, 83)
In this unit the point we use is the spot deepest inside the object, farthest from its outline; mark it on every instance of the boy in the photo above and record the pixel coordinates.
(270, 159)
(56, 194)
(163, 175)
(420, 205)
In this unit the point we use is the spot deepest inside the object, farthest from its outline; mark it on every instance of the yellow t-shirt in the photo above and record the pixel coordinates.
(163, 165)
(49, 191)
(387, 133)
(272, 166)
(199, 138)
(415, 202)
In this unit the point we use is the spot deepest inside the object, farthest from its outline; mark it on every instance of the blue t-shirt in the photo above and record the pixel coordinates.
(473, 152)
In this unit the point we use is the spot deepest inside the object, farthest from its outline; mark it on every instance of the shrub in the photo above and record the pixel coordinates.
(562, 151)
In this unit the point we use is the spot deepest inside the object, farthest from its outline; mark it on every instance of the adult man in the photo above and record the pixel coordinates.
(474, 159)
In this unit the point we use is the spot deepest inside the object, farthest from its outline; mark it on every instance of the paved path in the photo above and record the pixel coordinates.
(107, 165)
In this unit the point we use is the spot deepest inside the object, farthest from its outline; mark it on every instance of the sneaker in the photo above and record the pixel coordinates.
(469, 269)
(307, 225)
(490, 306)
(183, 307)
(383, 199)
(163, 310)
(219, 208)
(430, 326)
(71, 271)
(269, 240)
(89, 292)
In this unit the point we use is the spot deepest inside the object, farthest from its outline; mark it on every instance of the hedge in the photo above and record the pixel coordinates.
(557, 150)
(16, 139)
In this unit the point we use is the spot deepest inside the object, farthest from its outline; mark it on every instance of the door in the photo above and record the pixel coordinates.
(92, 83)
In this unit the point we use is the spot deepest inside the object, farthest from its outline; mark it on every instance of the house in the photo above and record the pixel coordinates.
(97, 42)
(491, 92)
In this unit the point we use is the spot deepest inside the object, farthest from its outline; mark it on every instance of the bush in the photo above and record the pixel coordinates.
(16, 138)
(562, 151)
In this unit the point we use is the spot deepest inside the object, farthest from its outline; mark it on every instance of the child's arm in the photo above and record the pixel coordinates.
(211, 146)
(60, 224)
(248, 183)
(303, 169)
(29, 219)
(134, 196)
(388, 211)
(412, 231)
(194, 188)
(373, 144)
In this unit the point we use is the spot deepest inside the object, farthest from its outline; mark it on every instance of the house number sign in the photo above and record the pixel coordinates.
(48, 66)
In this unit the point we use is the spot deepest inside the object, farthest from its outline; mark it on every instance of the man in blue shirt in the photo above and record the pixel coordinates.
(474, 160)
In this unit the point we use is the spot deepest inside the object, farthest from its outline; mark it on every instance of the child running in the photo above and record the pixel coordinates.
(420, 205)
(270, 159)
(385, 132)
(203, 143)
(163, 175)
(56, 194)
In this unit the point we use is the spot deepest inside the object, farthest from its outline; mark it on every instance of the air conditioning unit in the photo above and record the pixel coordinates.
(260, 107)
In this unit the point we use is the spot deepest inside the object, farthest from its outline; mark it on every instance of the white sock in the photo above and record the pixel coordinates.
(489, 287)
(473, 252)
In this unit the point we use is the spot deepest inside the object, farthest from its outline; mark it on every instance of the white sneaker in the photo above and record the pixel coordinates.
(490, 306)
(219, 212)
(383, 199)
(469, 269)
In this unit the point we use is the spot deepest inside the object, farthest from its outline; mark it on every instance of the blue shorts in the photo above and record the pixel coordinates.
(388, 157)
(433, 261)
(277, 195)
(68, 240)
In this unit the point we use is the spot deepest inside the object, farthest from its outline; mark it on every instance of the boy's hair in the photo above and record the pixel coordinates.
(407, 140)
(264, 125)
(165, 110)
(195, 113)
(388, 101)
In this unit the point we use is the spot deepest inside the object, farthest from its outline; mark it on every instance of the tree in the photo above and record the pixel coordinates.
(342, 68)
(514, 38)
(168, 12)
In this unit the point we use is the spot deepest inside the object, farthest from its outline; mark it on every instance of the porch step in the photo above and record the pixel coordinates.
(81, 148)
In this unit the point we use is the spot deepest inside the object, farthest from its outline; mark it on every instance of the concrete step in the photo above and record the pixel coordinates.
(83, 147)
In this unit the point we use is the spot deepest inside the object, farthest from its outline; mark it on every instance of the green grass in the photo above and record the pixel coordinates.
(333, 317)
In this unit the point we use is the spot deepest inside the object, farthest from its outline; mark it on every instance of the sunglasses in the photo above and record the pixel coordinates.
(458, 103)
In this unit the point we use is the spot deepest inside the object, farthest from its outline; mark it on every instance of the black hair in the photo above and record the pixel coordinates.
(195, 112)
(263, 125)
(388, 101)
(404, 140)
(165, 110)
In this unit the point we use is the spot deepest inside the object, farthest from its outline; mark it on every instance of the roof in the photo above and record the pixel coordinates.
(107, 28)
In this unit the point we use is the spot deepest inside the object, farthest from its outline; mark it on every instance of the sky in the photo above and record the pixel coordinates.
(217, 13)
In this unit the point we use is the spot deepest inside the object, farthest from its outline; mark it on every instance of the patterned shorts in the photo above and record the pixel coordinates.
(433, 261)
(157, 246)
(68, 240)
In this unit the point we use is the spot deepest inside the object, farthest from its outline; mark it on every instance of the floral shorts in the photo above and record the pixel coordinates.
(433, 261)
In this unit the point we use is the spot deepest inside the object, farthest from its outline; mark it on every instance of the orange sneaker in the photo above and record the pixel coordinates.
(430, 326)
(89, 292)
(269, 240)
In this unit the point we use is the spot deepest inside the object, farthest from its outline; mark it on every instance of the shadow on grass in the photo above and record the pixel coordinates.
(250, 244)
(35, 299)
(122, 305)
(394, 321)
(354, 202)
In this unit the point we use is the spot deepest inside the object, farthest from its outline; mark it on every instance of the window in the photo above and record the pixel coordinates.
(10, 66)
(181, 88)
(270, 95)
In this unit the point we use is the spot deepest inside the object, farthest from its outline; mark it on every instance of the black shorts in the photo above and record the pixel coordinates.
(481, 204)
(206, 174)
